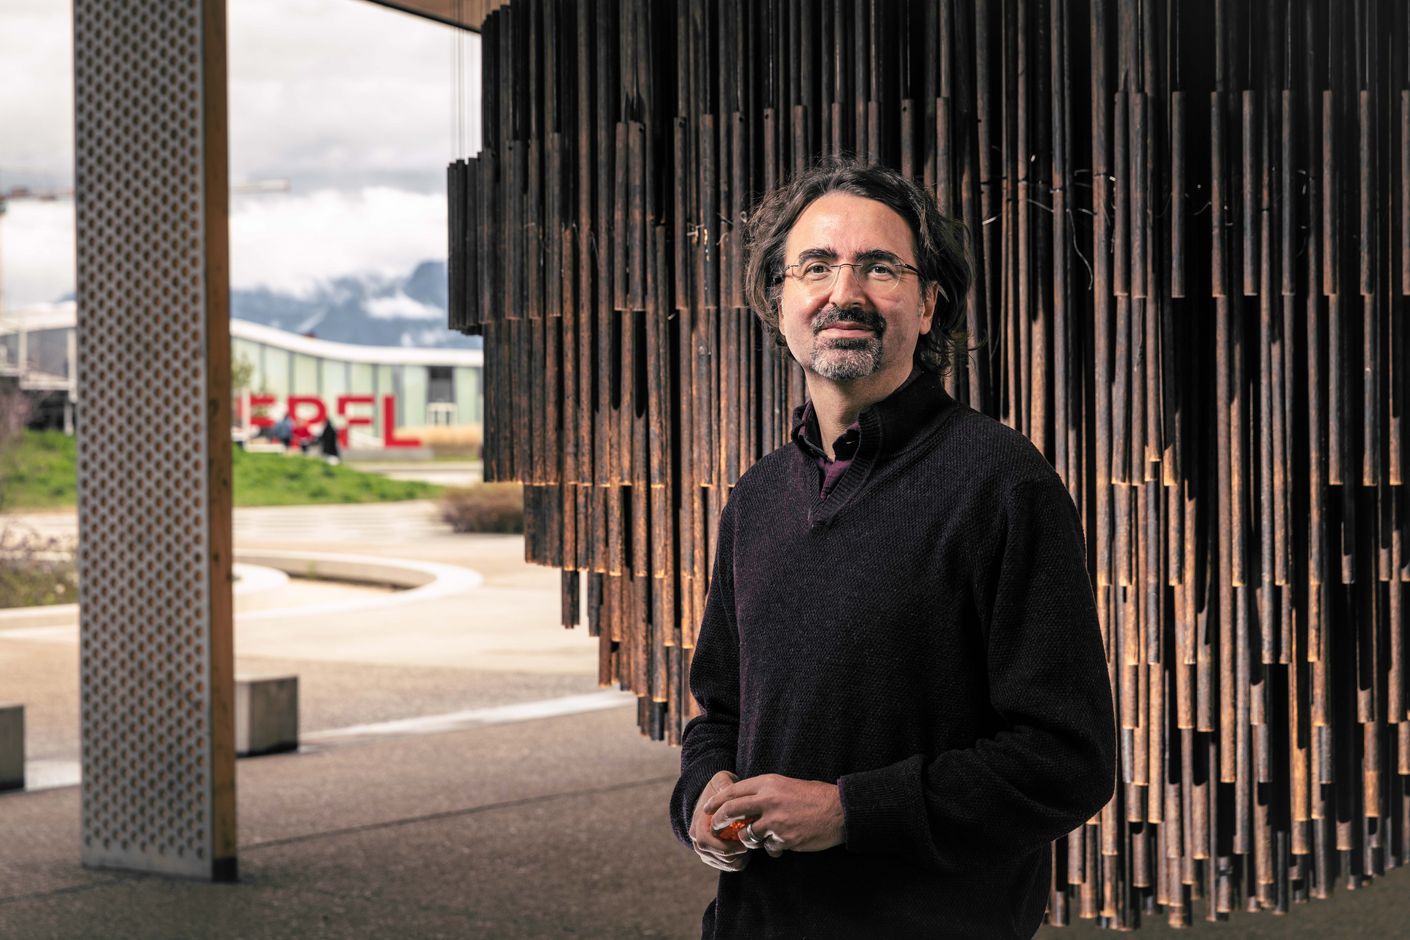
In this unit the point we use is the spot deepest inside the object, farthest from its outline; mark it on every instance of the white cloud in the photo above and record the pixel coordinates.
(36, 106)
(401, 307)
(429, 336)
(292, 243)
(318, 88)
(349, 100)
(36, 252)
(328, 87)
(288, 243)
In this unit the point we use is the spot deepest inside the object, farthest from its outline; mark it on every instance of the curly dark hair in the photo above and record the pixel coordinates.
(941, 246)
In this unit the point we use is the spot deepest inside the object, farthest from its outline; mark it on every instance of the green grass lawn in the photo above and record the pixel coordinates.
(39, 474)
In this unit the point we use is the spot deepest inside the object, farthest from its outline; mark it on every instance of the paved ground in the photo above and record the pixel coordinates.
(500, 644)
(443, 472)
(542, 828)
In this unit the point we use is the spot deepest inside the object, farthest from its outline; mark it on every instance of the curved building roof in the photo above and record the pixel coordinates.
(63, 316)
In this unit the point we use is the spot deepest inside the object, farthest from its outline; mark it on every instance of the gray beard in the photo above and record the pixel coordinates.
(845, 360)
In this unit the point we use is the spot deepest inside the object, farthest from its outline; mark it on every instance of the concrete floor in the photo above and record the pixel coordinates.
(553, 827)
(540, 829)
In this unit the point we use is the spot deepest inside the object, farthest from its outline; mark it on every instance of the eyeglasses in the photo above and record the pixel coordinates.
(882, 275)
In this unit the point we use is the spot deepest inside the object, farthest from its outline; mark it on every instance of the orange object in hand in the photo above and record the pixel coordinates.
(731, 832)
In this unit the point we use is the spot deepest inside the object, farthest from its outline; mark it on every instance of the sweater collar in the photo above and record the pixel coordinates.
(890, 425)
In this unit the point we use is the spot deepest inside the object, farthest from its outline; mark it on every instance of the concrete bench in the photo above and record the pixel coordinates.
(266, 714)
(11, 747)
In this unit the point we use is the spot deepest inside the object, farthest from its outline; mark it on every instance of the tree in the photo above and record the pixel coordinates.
(242, 372)
(14, 411)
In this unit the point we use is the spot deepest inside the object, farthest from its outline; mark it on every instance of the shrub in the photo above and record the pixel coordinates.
(35, 570)
(461, 442)
(484, 507)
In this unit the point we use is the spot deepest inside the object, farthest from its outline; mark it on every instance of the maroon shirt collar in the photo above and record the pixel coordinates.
(808, 437)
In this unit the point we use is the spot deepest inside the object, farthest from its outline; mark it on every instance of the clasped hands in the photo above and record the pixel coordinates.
(801, 815)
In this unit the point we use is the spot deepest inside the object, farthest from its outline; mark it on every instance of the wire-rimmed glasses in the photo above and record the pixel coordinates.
(880, 275)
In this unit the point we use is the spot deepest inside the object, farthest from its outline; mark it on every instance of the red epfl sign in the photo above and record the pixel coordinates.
(310, 411)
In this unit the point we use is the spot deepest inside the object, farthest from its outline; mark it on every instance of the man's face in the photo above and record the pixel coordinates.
(852, 328)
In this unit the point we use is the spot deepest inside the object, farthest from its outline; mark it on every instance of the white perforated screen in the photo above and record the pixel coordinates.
(145, 512)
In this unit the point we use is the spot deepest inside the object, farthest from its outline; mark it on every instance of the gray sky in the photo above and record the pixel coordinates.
(351, 102)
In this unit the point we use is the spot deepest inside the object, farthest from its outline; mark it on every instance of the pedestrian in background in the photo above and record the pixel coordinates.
(328, 443)
(283, 430)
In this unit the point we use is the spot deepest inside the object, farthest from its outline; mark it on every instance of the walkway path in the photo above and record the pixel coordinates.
(372, 523)
(500, 643)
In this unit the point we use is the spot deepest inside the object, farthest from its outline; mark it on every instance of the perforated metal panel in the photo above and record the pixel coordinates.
(155, 796)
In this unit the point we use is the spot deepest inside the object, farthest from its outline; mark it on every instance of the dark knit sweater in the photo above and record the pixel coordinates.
(926, 638)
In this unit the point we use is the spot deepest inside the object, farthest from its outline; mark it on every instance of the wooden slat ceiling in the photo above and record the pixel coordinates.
(468, 14)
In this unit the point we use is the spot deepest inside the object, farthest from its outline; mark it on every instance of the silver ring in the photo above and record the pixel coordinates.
(748, 837)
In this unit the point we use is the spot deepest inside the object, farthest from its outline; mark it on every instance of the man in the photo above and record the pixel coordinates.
(900, 671)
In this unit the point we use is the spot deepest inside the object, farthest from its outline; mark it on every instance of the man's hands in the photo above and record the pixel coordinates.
(802, 815)
(713, 851)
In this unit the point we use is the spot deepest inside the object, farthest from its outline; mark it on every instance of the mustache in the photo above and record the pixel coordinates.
(834, 315)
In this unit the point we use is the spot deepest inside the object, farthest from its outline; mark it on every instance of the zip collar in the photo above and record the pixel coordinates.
(888, 428)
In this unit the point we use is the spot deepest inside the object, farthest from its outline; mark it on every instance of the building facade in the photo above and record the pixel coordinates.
(386, 396)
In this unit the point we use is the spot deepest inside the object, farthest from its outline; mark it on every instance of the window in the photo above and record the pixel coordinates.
(442, 385)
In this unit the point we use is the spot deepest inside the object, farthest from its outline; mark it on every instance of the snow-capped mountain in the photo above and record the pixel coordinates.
(369, 310)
